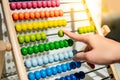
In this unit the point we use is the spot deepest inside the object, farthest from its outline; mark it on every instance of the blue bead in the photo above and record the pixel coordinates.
(45, 59)
(78, 64)
(31, 76)
(70, 53)
(62, 78)
(68, 66)
(61, 57)
(65, 55)
(59, 68)
(37, 75)
(48, 72)
(28, 63)
(40, 61)
(34, 62)
(68, 77)
(82, 75)
(54, 70)
(50, 58)
(74, 52)
(64, 67)
(57, 79)
(73, 77)
(56, 57)
(73, 65)
(43, 73)
(77, 75)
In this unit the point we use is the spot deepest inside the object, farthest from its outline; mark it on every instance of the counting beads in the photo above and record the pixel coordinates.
(31, 76)
(48, 71)
(28, 63)
(43, 73)
(40, 61)
(60, 33)
(86, 29)
(37, 75)
(47, 47)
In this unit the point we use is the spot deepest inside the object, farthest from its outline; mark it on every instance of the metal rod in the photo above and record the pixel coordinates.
(110, 76)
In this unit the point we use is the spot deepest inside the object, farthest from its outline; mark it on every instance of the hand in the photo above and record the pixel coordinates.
(99, 50)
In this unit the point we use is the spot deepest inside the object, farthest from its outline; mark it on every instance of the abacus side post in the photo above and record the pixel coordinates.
(14, 43)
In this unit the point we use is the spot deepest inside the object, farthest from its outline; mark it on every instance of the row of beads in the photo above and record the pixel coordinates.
(75, 76)
(40, 61)
(34, 4)
(36, 15)
(86, 29)
(40, 25)
(46, 47)
(53, 70)
(31, 37)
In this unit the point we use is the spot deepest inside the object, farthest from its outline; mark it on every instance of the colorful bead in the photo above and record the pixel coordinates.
(24, 51)
(30, 50)
(37, 75)
(21, 39)
(31, 76)
(60, 33)
(28, 63)
(34, 62)
(40, 61)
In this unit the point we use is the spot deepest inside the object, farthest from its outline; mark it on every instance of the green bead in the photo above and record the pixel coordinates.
(27, 38)
(46, 46)
(32, 38)
(35, 49)
(57, 45)
(65, 43)
(70, 42)
(43, 36)
(21, 39)
(60, 33)
(38, 36)
(51, 45)
(61, 42)
(24, 51)
(30, 50)
(41, 47)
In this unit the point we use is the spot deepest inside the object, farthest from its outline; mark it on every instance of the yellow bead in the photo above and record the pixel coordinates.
(45, 24)
(40, 25)
(18, 28)
(55, 23)
(64, 22)
(59, 23)
(50, 24)
(35, 25)
(29, 26)
(24, 27)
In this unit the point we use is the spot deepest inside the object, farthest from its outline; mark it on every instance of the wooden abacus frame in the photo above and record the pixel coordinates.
(16, 48)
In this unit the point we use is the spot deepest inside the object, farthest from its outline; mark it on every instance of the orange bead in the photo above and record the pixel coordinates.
(21, 16)
(47, 15)
(42, 14)
(32, 15)
(56, 13)
(51, 13)
(37, 15)
(15, 16)
(60, 12)
(26, 15)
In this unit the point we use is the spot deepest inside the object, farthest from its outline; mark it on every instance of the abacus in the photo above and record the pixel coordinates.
(30, 24)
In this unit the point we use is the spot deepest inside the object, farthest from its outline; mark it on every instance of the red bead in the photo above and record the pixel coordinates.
(44, 4)
(34, 4)
(49, 4)
(39, 4)
(53, 3)
(24, 5)
(18, 5)
(57, 3)
(12, 5)
(29, 5)
(91, 65)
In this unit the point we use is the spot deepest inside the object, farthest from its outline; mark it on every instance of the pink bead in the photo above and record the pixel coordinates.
(34, 4)
(18, 5)
(44, 4)
(53, 3)
(24, 5)
(57, 3)
(12, 5)
(39, 4)
(29, 5)
(49, 4)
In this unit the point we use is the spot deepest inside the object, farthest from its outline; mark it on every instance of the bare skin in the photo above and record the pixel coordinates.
(99, 50)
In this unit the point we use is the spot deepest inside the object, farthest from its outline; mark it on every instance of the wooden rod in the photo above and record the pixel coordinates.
(14, 43)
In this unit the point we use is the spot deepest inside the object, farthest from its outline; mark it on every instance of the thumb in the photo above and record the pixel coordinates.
(79, 56)
(78, 37)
